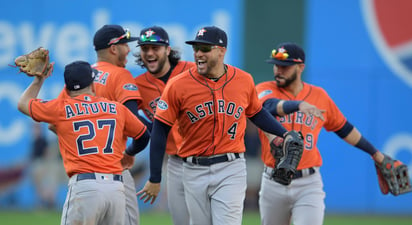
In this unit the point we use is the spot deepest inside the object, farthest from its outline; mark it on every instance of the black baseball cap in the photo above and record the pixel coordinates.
(153, 36)
(287, 54)
(210, 35)
(111, 34)
(78, 75)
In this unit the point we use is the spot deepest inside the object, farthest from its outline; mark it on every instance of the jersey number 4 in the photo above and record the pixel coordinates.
(91, 134)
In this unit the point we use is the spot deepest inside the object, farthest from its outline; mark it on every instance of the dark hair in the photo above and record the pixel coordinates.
(174, 58)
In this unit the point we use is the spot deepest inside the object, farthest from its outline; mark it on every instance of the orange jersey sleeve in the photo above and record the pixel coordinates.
(309, 126)
(151, 89)
(92, 131)
(211, 115)
(115, 83)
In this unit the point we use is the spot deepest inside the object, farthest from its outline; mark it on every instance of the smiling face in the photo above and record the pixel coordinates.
(155, 59)
(208, 59)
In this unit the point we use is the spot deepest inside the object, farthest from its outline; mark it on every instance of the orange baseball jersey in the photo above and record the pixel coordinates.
(115, 83)
(211, 115)
(92, 131)
(310, 126)
(151, 89)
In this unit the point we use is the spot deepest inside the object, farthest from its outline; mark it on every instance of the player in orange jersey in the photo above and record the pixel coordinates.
(116, 83)
(210, 103)
(163, 63)
(301, 202)
(92, 134)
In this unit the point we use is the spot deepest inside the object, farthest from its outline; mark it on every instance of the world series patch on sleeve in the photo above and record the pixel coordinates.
(393, 176)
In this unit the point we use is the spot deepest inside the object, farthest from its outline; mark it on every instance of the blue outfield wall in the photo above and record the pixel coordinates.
(345, 55)
(364, 70)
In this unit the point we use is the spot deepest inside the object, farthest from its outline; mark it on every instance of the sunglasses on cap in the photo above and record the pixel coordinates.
(117, 39)
(281, 54)
(205, 48)
(151, 38)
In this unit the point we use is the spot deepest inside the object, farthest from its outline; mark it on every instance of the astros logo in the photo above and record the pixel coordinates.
(388, 25)
(149, 33)
(201, 32)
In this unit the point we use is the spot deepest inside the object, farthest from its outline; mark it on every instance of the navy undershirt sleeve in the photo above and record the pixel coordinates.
(345, 130)
(133, 107)
(157, 149)
(271, 105)
(363, 144)
(265, 121)
(138, 144)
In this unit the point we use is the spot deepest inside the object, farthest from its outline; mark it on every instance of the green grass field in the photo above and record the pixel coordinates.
(53, 218)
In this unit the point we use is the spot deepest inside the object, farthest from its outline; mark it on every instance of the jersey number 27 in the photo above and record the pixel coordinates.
(91, 134)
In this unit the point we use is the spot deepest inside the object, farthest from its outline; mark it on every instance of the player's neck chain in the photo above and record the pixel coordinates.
(215, 79)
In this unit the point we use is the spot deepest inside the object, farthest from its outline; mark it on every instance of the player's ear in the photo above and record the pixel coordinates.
(112, 49)
(301, 67)
(93, 88)
(168, 50)
(222, 52)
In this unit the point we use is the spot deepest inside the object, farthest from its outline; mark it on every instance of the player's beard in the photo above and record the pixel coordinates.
(122, 56)
(287, 81)
(210, 64)
(160, 64)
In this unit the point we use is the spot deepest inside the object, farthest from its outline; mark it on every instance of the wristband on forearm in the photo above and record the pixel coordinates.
(290, 106)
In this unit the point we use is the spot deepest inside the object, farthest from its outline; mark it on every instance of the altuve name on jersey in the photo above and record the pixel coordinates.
(80, 109)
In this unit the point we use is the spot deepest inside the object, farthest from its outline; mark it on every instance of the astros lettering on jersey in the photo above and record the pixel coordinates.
(220, 103)
(310, 126)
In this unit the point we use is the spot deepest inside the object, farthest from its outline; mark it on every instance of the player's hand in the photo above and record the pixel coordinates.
(378, 157)
(127, 161)
(310, 110)
(149, 192)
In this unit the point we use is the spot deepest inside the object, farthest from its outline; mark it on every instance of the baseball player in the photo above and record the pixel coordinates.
(302, 201)
(210, 103)
(163, 63)
(92, 134)
(116, 83)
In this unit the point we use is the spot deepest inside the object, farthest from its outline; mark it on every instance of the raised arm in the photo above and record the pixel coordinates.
(31, 92)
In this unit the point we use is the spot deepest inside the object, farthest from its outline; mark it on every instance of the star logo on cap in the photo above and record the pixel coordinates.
(282, 50)
(149, 33)
(201, 32)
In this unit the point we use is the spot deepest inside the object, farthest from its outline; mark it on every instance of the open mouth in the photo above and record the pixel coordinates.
(201, 64)
(151, 62)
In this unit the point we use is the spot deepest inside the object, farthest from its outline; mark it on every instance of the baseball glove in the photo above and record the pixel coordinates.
(290, 155)
(35, 63)
(393, 176)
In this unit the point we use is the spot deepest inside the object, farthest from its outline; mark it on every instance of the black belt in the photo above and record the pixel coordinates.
(297, 175)
(207, 161)
(92, 176)
(176, 157)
